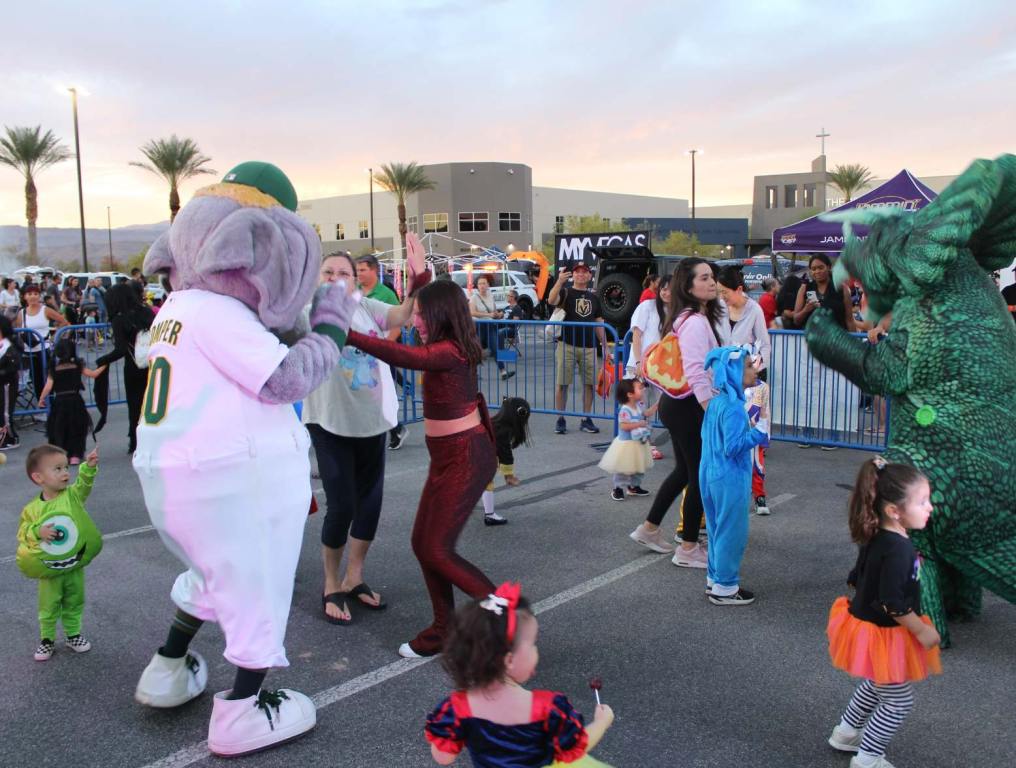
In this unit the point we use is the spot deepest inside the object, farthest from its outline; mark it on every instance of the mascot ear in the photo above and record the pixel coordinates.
(268, 257)
(159, 257)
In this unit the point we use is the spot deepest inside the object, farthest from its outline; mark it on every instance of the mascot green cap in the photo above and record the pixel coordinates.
(266, 178)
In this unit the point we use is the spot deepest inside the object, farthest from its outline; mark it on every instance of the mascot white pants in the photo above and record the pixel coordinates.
(240, 536)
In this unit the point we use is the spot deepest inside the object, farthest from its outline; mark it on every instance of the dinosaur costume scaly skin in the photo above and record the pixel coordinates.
(948, 367)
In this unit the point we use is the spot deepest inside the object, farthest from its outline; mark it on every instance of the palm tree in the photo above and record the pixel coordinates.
(850, 178)
(175, 160)
(402, 179)
(28, 151)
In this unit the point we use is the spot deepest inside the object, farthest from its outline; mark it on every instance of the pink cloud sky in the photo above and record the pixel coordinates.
(593, 95)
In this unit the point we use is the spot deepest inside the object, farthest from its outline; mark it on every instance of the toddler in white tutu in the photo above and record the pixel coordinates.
(629, 455)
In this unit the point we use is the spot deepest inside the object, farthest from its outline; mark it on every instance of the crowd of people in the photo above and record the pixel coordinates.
(489, 646)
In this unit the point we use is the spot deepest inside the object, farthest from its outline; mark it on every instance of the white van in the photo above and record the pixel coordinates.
(108, 278)
(500, 283)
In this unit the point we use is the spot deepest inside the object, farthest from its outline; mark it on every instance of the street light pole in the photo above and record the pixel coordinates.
(81, 197)
(371, 172)
(109, 230)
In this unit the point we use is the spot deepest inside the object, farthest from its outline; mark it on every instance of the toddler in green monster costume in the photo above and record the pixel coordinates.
(56, 540)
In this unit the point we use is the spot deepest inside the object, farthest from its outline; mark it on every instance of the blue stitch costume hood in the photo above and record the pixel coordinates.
(727, 365)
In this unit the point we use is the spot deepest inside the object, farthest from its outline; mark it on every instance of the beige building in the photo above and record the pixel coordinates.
(493, 205)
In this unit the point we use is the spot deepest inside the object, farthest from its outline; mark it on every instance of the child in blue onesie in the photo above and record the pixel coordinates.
(725, 471)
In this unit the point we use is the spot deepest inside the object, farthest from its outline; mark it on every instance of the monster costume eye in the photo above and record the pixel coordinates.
(66, 540)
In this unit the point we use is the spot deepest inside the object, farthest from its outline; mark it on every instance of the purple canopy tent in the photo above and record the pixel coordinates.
(813, 235)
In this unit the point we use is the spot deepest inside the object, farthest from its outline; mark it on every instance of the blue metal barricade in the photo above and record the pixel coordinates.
(94, 340)
(32, 376)
(529, 350)
(814, 405)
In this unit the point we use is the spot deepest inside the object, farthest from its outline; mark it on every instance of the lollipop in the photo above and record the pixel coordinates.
(596, 684)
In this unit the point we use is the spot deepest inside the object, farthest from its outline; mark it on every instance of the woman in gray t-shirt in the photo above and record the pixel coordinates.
(348, 418)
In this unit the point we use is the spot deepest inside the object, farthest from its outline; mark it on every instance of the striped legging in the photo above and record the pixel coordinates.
(880, 710)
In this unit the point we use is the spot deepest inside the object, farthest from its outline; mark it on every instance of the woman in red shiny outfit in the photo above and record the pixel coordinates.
(459, 434)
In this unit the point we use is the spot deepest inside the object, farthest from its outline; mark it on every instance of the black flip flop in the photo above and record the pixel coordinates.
(363, 589)
(337, 599)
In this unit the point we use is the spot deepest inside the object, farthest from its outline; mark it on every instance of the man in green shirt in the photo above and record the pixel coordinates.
(368, 275)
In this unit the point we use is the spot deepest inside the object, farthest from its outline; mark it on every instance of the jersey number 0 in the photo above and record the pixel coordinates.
(157, 392)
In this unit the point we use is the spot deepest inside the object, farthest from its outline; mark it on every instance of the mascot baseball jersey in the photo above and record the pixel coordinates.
(211, 459)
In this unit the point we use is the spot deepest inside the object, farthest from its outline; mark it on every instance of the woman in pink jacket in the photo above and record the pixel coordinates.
(699, 320)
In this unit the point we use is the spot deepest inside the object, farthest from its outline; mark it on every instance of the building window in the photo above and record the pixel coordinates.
(411, 225)
(340, 231)
(809, 195)
(790, 196)
(771, 198)
(435, 222)
(470, 221)
(559, 225)
(364, 230)
(509, 222)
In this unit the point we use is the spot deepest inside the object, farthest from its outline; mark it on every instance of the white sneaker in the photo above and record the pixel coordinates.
(845, 739)
(172, 682)
(880, 762)
(695, 557)
(406, 651)
(247, 725)
(654, 540)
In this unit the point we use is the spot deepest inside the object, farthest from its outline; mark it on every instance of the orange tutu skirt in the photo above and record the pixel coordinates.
(880, 654)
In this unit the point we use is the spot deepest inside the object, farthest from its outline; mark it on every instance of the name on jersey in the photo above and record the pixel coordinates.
(168, 331)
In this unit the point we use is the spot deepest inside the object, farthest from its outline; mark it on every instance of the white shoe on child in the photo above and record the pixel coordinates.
(171, 682)
(845, 738)
(240, 726)
(877, 762)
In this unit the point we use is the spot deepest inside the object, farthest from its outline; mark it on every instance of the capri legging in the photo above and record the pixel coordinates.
(683, 419)
(353, 475)
(461, 465)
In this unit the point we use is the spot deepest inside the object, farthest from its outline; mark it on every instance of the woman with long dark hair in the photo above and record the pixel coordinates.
(819, 291)
(460, 441)
(698, 319)
(128, 315)
(10, 373)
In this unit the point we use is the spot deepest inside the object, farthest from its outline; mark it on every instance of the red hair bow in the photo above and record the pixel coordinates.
(506, 596)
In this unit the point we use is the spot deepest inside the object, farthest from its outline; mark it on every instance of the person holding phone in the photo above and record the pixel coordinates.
(819, 291)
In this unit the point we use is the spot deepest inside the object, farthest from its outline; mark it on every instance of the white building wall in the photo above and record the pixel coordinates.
(550, 202)
(348, 210)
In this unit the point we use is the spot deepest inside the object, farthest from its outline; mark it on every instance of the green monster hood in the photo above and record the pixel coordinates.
(77, 543)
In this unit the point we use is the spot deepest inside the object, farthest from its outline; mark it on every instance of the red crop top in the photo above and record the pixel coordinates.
(449, 381)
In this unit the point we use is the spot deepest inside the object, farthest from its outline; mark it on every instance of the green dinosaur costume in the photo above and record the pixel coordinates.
(948, 367)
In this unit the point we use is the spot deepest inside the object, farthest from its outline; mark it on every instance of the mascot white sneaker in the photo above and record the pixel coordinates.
(222, 458)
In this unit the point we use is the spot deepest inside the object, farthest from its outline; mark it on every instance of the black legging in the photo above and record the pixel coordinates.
(683, 419)
(353, 475)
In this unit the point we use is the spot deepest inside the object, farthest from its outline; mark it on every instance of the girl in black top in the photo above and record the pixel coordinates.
(879, 635)
(820, 292)
(68, 422)
(128, 315)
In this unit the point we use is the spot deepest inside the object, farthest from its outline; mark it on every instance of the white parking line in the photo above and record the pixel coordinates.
(783, 498)
(199, 751)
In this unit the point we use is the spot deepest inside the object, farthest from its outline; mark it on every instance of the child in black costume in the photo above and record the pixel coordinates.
(68, 423)
(511, 429)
